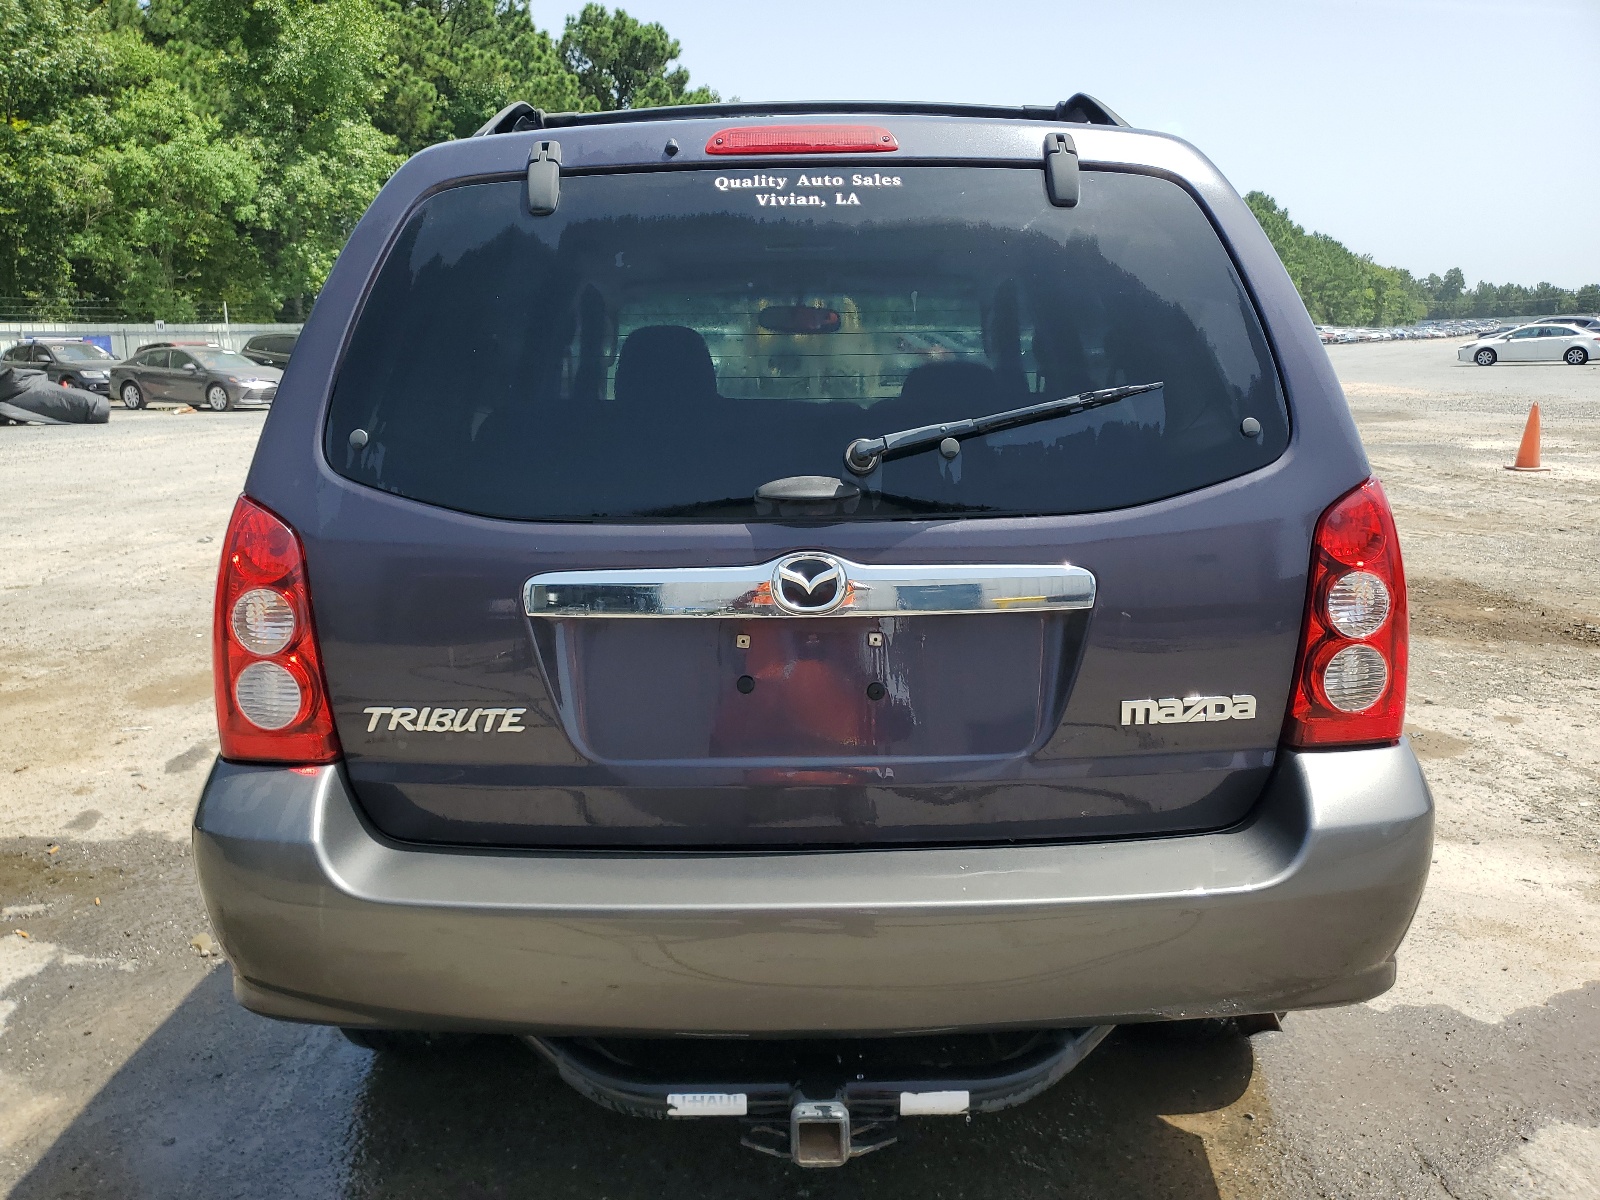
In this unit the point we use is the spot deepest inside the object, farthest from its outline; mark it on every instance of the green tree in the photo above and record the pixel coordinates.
(166, 198)
(166, 156)
(1338, 286)
(622, 63)
(452, 64)
(302, 78)
(46, 63)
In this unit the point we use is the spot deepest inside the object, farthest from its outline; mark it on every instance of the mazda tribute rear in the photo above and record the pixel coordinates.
(872, 598)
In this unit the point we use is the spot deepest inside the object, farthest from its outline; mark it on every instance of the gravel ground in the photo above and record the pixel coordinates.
(127, 1071)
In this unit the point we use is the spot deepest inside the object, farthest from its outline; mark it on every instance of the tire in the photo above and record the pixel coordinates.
(132, 396)
(68, 381)
(1485, 357)
(217, 398)
(1577, 356)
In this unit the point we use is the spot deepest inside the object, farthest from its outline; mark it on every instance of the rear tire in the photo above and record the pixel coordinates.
(1485, 358)
(132, 397)
(1577, 356)
(217, 398)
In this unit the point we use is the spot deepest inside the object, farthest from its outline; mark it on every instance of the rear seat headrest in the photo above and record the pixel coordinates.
(665, 364)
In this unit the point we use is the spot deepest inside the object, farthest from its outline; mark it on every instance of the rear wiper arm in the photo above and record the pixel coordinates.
(863, 455)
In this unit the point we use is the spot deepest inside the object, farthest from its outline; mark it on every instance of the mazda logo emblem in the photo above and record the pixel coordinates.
(809, 584)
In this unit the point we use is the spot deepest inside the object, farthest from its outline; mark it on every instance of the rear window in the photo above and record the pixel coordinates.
(80, 352)
(667, 342)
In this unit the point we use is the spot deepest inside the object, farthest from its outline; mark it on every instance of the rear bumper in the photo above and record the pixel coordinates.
(1302, 905)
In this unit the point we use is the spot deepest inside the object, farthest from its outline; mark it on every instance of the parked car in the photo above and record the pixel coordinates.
(791, 733)
(270, 349)
(1534, 343)
(204, 375)
(71, 362)
(1580, 321)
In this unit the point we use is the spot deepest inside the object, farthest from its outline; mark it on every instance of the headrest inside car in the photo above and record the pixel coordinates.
(665, 364)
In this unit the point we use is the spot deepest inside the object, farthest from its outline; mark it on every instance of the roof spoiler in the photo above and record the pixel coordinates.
(520, 117)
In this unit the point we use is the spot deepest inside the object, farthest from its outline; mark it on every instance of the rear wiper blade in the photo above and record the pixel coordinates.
(863, 455)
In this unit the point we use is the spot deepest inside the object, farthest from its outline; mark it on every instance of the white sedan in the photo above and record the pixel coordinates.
(1544, 342)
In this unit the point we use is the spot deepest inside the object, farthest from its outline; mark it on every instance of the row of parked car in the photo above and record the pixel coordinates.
(200, 373)
(1485, 328)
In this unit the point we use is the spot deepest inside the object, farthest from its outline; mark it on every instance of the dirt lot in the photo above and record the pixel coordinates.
(126, 1070)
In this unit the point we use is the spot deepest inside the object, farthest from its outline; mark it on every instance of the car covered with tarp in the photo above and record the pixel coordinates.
(29, 398)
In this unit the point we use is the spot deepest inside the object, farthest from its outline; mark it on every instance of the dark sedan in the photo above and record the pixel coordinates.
(204, 376)
(71, 362)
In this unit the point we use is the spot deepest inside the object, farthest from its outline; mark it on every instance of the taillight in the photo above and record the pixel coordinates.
(1350, 680)
(272, 703)
(801, 139)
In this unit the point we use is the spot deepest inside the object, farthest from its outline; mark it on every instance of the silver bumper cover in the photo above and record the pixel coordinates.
(1302, 905)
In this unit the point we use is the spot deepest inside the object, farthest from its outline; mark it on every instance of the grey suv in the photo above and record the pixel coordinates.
(884, 595)
(70, 362)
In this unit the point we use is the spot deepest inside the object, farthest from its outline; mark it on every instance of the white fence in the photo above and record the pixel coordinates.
(123, 339)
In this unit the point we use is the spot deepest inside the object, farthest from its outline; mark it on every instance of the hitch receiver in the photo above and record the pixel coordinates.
(819, 1134)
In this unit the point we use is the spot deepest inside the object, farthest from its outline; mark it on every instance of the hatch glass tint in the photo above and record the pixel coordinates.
(666, 343)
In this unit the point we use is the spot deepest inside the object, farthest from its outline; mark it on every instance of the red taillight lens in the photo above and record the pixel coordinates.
(272, 702)
(1350, 680)
(801, 139)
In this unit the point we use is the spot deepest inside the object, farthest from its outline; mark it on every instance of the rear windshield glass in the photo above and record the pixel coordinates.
(665, 343)
(79, 352)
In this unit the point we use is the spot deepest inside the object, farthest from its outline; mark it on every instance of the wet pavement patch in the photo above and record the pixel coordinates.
(1402, 1103)
(190, 758)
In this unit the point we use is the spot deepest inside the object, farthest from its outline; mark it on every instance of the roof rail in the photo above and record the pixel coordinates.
(1081, 109)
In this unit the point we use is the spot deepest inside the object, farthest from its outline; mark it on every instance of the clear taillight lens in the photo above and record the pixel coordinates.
(1358, 604)
(268, 695)
(263, 621)
(1354, 678)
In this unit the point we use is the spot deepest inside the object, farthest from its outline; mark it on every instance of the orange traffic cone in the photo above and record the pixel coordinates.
(1528, 452)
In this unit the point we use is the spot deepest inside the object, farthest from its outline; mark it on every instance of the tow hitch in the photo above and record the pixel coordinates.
(818, 1102)
(819, 1134)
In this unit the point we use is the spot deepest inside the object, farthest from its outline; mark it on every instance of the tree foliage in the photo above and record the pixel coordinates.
(1448, 296)
(1340, 287)
(620, 63)
(455, 63)
(167, 156)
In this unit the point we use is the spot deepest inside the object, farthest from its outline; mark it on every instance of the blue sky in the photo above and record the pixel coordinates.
(1427, 133)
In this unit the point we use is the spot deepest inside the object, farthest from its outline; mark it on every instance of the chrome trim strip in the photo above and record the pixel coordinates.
(870, 591)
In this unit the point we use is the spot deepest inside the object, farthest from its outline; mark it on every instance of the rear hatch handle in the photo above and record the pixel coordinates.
(1061, 170)
(544, 178)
